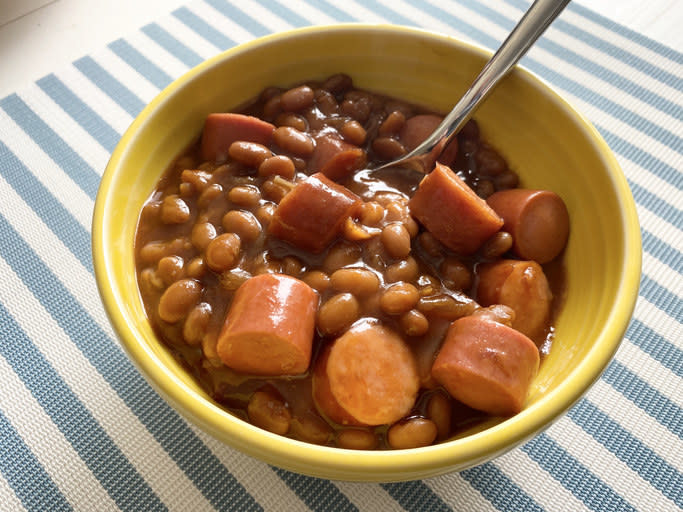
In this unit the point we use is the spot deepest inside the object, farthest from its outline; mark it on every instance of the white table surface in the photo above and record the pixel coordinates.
(37, 36)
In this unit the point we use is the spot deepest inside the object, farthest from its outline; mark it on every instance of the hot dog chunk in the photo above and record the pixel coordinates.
(520, 285)
(313, 213)
(369, 377)
(452, 211)
(487, 365)
(222, 129)
(336, 158)
(269, 327)
(537, 220)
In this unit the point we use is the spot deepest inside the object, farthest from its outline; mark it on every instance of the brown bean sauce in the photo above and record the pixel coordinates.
(181, 224)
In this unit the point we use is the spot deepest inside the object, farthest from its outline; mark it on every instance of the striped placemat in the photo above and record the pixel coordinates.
(81, 429)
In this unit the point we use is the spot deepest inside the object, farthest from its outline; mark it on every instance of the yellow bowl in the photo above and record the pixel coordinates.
(544, 139)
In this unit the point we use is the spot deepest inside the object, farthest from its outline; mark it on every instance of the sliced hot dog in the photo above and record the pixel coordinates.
(222, 129)
(487, 365)
(452, 211)
(537, 220)
(520, 285)
(417, 128)
(313, 213)
(336, 158)
(269, 327)
(371, 376)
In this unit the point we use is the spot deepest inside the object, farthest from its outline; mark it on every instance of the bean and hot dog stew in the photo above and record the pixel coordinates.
(345, 307)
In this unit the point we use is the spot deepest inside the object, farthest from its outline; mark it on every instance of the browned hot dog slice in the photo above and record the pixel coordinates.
(372, 377)
(537, 220)
(452, 211)
(313, 213)
(336, 158)
(222, 129)
(486, 365)
(269, 327)
(521, 285)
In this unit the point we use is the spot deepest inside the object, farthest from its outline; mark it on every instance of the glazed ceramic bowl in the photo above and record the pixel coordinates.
(548, 143)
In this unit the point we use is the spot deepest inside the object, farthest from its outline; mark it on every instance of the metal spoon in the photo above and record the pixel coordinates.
(534, 22)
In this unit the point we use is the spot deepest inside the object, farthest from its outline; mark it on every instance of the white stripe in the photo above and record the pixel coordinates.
(266, 17)
(661, 323)
(368, 497)
(97, 100)
(655, 436)
(166, 61)
(258, 478)
(65, 127)
(662, 274)
(309, 12)
(72, 197)
(124, 428)
(537, 482)
(188, 37)
(125, 74)
(225, 25)
(604, 464)
(458, 493)
(359, 12)
(8, 499)
(52, 450)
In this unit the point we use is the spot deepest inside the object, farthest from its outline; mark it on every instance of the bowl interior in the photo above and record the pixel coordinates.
(543, 139)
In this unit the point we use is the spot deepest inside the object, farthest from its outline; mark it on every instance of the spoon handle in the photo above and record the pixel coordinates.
(534, 22)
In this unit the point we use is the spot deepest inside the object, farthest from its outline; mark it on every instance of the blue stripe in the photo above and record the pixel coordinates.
(52, 144)
(74, 236)
(630, 450)
(88, 438)
(130, 55)
(213, 36)
(183, 53)
(661, 250)
(186, 449)
(660, 349)
(238, 17)
(634, 36)
(575, 477)
(663, 298)
(619, 81)
(338, 15)
(316, 493)
(284, 11)
(647, 398)
(85, 116)
(30, 482)
(110, 85)
(504, 495)
(415, 496)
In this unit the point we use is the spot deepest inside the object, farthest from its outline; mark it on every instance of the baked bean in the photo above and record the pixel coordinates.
(397, 211)
(223, 252)
(243, 224)
(430, 244)
(310, 428)
(470, 130)
(440, 411)
(341, 255)
(186, 162)
(358, 281)
(317, 280)
(338, 313)
(210, 193)
(209, 342)
(412, 433)
(446, 307)
(326, 102)
(246, 196)
(266, 265)
(174, 210)
(150, 212)
(202, 234)
(497, 245)
(280, 165)
(357, 439)
(405, 270)
(196, 268)
(267, 410)
(338, 83)
(455, 274)
(428, 285)
(292, 266)
(265, 212)
(297, 98)
(251, 154)
(392, 124)
(196, 323)
(414, 323)
(269, 92)
(170, 269)
(272, 107)
(354, 133)
(358, 109)
(152, 252)
(498, 313)
(178, 299)
(293, 120)
(355, 232)
(198, 179)
(371, 213)
(387, 148)
(399, 298)
(485, 188)
(186, 190)
(150, 282)
(293, 141)
(489, 163)
(234, 278)
(396, 240)
(506, 180)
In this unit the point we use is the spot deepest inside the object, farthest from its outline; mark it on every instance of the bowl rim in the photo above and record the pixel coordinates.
(338, 463)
